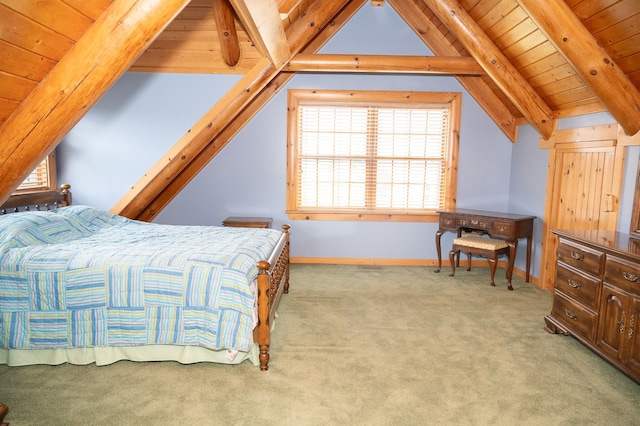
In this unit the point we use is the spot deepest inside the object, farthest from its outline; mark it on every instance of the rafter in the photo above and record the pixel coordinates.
(598, 70)
(385, 64)
(242, 118)
(107, 49)
(433, 38)
(261, 20)
(497, 66)
(139, 202)
(226, 29)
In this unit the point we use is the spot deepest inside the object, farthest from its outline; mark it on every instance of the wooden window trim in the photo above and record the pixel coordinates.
(295, 96)
(52, 177)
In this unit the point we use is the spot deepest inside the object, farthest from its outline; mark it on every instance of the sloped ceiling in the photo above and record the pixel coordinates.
(524, 61)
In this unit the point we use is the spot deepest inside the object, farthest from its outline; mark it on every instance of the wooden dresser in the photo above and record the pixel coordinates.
(597, 295)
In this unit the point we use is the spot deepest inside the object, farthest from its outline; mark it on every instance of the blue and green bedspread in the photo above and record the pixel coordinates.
(82, 277)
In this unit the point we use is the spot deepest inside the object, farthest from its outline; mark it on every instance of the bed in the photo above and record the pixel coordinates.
(82, 285)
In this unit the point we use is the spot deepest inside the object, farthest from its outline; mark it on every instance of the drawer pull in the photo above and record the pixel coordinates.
(629, 276)
(572, 315)
(577, 256)
(575, 284)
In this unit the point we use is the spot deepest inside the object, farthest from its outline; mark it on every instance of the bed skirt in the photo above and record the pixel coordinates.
(109, 355)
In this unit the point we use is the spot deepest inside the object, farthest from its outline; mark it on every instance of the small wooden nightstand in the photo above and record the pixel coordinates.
(248, 222)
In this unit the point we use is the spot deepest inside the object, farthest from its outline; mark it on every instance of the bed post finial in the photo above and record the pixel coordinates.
(64, 190)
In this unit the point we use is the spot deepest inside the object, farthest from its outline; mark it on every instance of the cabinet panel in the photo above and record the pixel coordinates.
(632, 349)
(581, 257)
(577, 318)
(582, 287)
(612, 318)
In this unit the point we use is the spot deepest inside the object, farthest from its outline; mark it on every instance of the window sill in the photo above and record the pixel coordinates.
(365, 216)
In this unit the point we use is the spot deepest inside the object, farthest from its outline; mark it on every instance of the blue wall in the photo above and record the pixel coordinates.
(143, 115)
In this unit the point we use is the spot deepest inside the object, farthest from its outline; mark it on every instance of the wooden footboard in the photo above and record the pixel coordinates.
(42, 200)
(273, 280)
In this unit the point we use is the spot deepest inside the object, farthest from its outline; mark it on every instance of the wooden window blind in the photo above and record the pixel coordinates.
(371, 153)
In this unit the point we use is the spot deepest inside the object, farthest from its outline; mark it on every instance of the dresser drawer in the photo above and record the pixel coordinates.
(580, 257)
(623, 274)
(581, 287)
(576, 317)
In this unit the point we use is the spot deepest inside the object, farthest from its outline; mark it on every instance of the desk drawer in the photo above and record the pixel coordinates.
(448, 221)
(474, 223)
(501, 229)
(580, 257)
(582, 287)
(576, 317)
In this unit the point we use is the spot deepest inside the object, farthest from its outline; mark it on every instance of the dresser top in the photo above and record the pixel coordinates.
(616, 242)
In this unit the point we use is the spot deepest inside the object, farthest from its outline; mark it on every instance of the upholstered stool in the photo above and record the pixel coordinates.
(489, 247)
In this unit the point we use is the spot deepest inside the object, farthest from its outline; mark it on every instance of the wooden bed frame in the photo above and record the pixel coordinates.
(273, 273)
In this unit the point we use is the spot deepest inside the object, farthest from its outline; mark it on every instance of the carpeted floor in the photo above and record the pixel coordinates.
(358, 345)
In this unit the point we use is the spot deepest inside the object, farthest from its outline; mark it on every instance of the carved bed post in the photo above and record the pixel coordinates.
(262, 330)
(286, 228)
(3, 412)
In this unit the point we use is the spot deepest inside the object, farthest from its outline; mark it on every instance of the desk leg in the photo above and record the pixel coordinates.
(438, 235)
(529, 238)
(513, 250)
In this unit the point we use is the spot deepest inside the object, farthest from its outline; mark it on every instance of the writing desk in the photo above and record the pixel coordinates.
(507, 226)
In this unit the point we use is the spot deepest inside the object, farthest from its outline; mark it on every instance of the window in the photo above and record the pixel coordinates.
(371, 155)
(42, 178)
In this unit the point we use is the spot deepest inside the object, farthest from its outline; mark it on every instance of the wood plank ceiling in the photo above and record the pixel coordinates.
(524, 61)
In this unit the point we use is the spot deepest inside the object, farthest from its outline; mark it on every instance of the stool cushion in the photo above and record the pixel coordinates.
(481, 243)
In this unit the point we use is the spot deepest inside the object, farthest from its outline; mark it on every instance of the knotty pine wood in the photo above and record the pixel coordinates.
(136, 202)
(495, 64)
(226, 30)
(592, 62)
(378, 63)
(262, 22)
(237, 122)
(421, 20)
(84, 74)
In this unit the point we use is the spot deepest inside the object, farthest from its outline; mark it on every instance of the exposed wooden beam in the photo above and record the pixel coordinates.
(499, 68)
(261, 20)
(456, 65)
(107, 49)
(213, 148)
(154, 190)
(226, 29)
(194, 141)
(477, 88)
(598, 70)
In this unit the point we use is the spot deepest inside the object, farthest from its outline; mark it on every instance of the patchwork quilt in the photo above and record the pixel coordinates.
(83, 277)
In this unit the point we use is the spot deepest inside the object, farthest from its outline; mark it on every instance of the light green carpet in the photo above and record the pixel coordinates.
(356, 345)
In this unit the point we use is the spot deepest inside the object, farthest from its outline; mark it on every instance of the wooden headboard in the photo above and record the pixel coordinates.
(42, 200)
